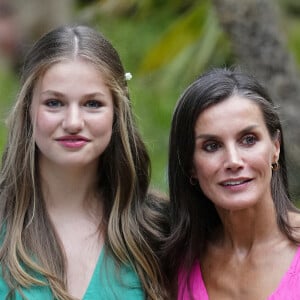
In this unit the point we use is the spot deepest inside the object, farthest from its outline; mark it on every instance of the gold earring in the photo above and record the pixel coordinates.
(275, 166)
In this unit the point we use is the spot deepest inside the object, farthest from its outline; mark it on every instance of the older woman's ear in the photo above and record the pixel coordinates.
(277, 142)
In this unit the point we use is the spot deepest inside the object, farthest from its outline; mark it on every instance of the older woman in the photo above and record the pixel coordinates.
(234, 231)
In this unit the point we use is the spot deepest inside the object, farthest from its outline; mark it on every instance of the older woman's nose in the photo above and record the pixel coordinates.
(233, 160)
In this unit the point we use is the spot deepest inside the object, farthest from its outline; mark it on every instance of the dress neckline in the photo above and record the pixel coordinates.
(95, 273)
(290, 271)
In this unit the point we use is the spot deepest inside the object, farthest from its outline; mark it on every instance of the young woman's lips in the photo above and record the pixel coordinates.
(73, 142)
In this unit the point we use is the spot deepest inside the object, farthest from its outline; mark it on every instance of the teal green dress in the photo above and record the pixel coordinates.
(108, 282)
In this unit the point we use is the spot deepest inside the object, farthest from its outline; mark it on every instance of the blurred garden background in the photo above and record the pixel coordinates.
(165, 45)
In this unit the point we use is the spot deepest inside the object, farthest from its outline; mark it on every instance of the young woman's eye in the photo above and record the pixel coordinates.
(53, 103)
(93, 104)
(211, 146)
(249, 140)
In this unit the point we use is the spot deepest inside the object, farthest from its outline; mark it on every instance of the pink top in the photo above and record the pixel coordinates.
(289, 286)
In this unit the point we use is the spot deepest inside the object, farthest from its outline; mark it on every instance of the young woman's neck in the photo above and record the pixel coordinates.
(69, 189)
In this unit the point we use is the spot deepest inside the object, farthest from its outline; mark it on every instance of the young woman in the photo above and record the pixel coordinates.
(234, 229)
(77, 221)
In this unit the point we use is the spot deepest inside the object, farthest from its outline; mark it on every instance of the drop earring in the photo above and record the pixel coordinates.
(275, 166)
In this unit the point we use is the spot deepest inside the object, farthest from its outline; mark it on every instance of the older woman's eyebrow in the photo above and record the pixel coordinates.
(248, 129)
(208, 136)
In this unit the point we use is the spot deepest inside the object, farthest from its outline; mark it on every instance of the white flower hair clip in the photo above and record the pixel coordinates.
(128, 76)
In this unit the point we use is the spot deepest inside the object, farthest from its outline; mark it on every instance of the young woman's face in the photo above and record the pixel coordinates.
(233, 154)
(72, 114)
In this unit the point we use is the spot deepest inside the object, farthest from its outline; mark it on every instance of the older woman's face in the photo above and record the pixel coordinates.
(72, 112)
(233, 154)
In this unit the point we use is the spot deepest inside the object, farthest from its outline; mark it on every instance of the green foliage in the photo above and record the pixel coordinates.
(8, 86)
(182, 33)
(165, 45)
(293, 34)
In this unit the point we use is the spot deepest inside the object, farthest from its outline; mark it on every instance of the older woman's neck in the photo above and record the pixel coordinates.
(244, 230)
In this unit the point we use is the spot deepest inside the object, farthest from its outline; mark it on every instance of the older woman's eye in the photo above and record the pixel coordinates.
(53, 103)
(93, 104)
(249, 140)
(211, 146)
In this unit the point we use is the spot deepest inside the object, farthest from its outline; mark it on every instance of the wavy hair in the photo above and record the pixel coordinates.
(131, 215)
(193, 216)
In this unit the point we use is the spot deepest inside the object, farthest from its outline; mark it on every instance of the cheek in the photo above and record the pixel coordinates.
(101, 126)
(262, 163)
(204, 170)
(262, 158)
(44, 124)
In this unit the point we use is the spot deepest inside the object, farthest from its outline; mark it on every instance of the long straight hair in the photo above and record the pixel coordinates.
(128, 219)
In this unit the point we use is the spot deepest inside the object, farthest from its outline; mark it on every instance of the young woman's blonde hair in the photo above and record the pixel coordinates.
(133, 223)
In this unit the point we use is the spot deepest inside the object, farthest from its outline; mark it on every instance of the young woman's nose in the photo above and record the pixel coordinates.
(233, 160)
(73, 121)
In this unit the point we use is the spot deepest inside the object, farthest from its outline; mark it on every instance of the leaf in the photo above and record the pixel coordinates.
(181, 34)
